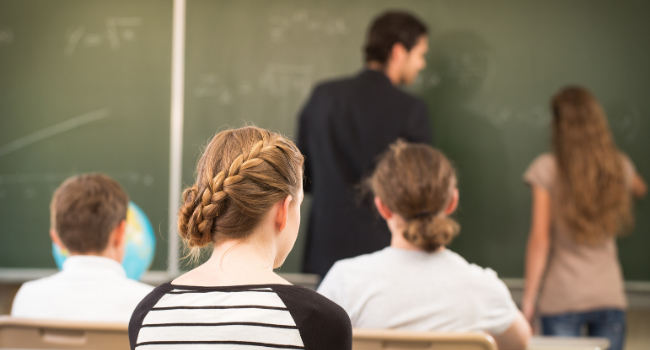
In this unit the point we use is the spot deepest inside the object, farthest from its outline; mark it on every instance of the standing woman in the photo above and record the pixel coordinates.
(245, 204)
(581, 203)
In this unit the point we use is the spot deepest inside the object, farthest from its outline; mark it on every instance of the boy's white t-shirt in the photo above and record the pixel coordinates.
(89, 288)
(414, 290)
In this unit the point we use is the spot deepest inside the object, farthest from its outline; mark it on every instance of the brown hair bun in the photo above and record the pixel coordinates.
(240, 176)
(417, 182)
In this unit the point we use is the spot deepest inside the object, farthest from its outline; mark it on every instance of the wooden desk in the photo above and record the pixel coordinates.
(565, 343)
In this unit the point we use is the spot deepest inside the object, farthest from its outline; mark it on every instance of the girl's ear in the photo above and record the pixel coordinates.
(383, 209)
(453, 204)
(282, 216)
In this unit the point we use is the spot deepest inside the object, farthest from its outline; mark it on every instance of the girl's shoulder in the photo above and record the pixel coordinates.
(541, 171)
(322, 323)
(300, 314)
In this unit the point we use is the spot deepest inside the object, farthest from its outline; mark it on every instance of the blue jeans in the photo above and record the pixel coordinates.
(606, 323)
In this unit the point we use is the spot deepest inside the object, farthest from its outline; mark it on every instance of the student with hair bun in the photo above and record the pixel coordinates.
(416, 283)
(245, 204)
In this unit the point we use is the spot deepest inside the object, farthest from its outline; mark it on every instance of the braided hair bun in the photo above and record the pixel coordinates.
(240, 176)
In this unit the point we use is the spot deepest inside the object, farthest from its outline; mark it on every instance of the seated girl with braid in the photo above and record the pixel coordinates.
(416, 283)
(245, 204)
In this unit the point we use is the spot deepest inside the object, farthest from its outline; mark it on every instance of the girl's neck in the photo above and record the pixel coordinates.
(235, 262)
(396, 225)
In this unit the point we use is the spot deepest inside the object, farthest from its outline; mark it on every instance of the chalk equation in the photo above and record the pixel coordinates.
(283, 79)
(29, 186)
(116, 32)
(301, 22)
(277, 80)
(210, 85)
(624, 120)
(6, 36)
(535, 116)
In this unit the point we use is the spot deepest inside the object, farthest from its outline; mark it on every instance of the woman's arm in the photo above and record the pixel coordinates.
(537, 250)
(639, 187)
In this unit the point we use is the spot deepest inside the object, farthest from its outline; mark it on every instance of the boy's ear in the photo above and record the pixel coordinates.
(453, 204)
(55, 238)
(383, 209)
(282, 216)
(119, 234)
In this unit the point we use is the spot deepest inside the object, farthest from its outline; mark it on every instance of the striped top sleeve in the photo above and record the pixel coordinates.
(253, 317)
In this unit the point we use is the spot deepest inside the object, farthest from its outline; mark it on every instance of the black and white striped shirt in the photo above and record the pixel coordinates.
(248, 317)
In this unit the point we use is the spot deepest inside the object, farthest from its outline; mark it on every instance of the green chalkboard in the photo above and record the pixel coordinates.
(492, 68)
(84, 87)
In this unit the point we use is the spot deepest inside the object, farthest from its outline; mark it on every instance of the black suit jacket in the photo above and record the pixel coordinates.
(344, 127)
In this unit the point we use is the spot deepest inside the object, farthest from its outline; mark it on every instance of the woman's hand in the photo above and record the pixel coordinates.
(528, 309)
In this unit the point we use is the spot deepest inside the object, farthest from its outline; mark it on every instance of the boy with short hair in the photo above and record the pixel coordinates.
(88, 218)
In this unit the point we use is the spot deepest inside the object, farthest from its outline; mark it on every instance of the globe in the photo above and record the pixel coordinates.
(140, 244)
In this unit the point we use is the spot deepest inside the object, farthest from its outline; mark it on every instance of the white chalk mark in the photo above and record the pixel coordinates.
(301, 22)
(93, 39)
(128, 35)
(113, 24)
(56, 178)
(6, 36)
(73, 40)
(29, 193)
(280, 79)
(53, 130)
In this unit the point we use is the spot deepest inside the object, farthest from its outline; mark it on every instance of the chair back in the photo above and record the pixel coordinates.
(389, 339)
(22, 333)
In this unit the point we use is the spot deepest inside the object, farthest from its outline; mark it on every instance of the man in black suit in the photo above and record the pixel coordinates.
(345, 125)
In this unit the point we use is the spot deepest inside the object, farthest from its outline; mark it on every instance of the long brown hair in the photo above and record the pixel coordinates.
(240, 176)
(417, 182)
(593, 200)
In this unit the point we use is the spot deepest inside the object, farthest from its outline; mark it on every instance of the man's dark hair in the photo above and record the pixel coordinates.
(390, 28)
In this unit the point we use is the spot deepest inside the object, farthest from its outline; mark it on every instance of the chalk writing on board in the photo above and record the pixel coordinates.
(535, 116)
(282, 79)
(301, 22)
(127, 177)
(6, 36)
(29, 193)
(469, 67)
(210, 85)
(116, 32)
(53, 131)
(32, 185)
(624, 120)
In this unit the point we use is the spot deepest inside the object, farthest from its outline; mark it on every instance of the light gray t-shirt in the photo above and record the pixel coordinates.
(414, 290)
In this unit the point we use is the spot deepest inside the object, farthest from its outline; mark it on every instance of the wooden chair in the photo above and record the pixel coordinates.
(389, 339)
(22, 333)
